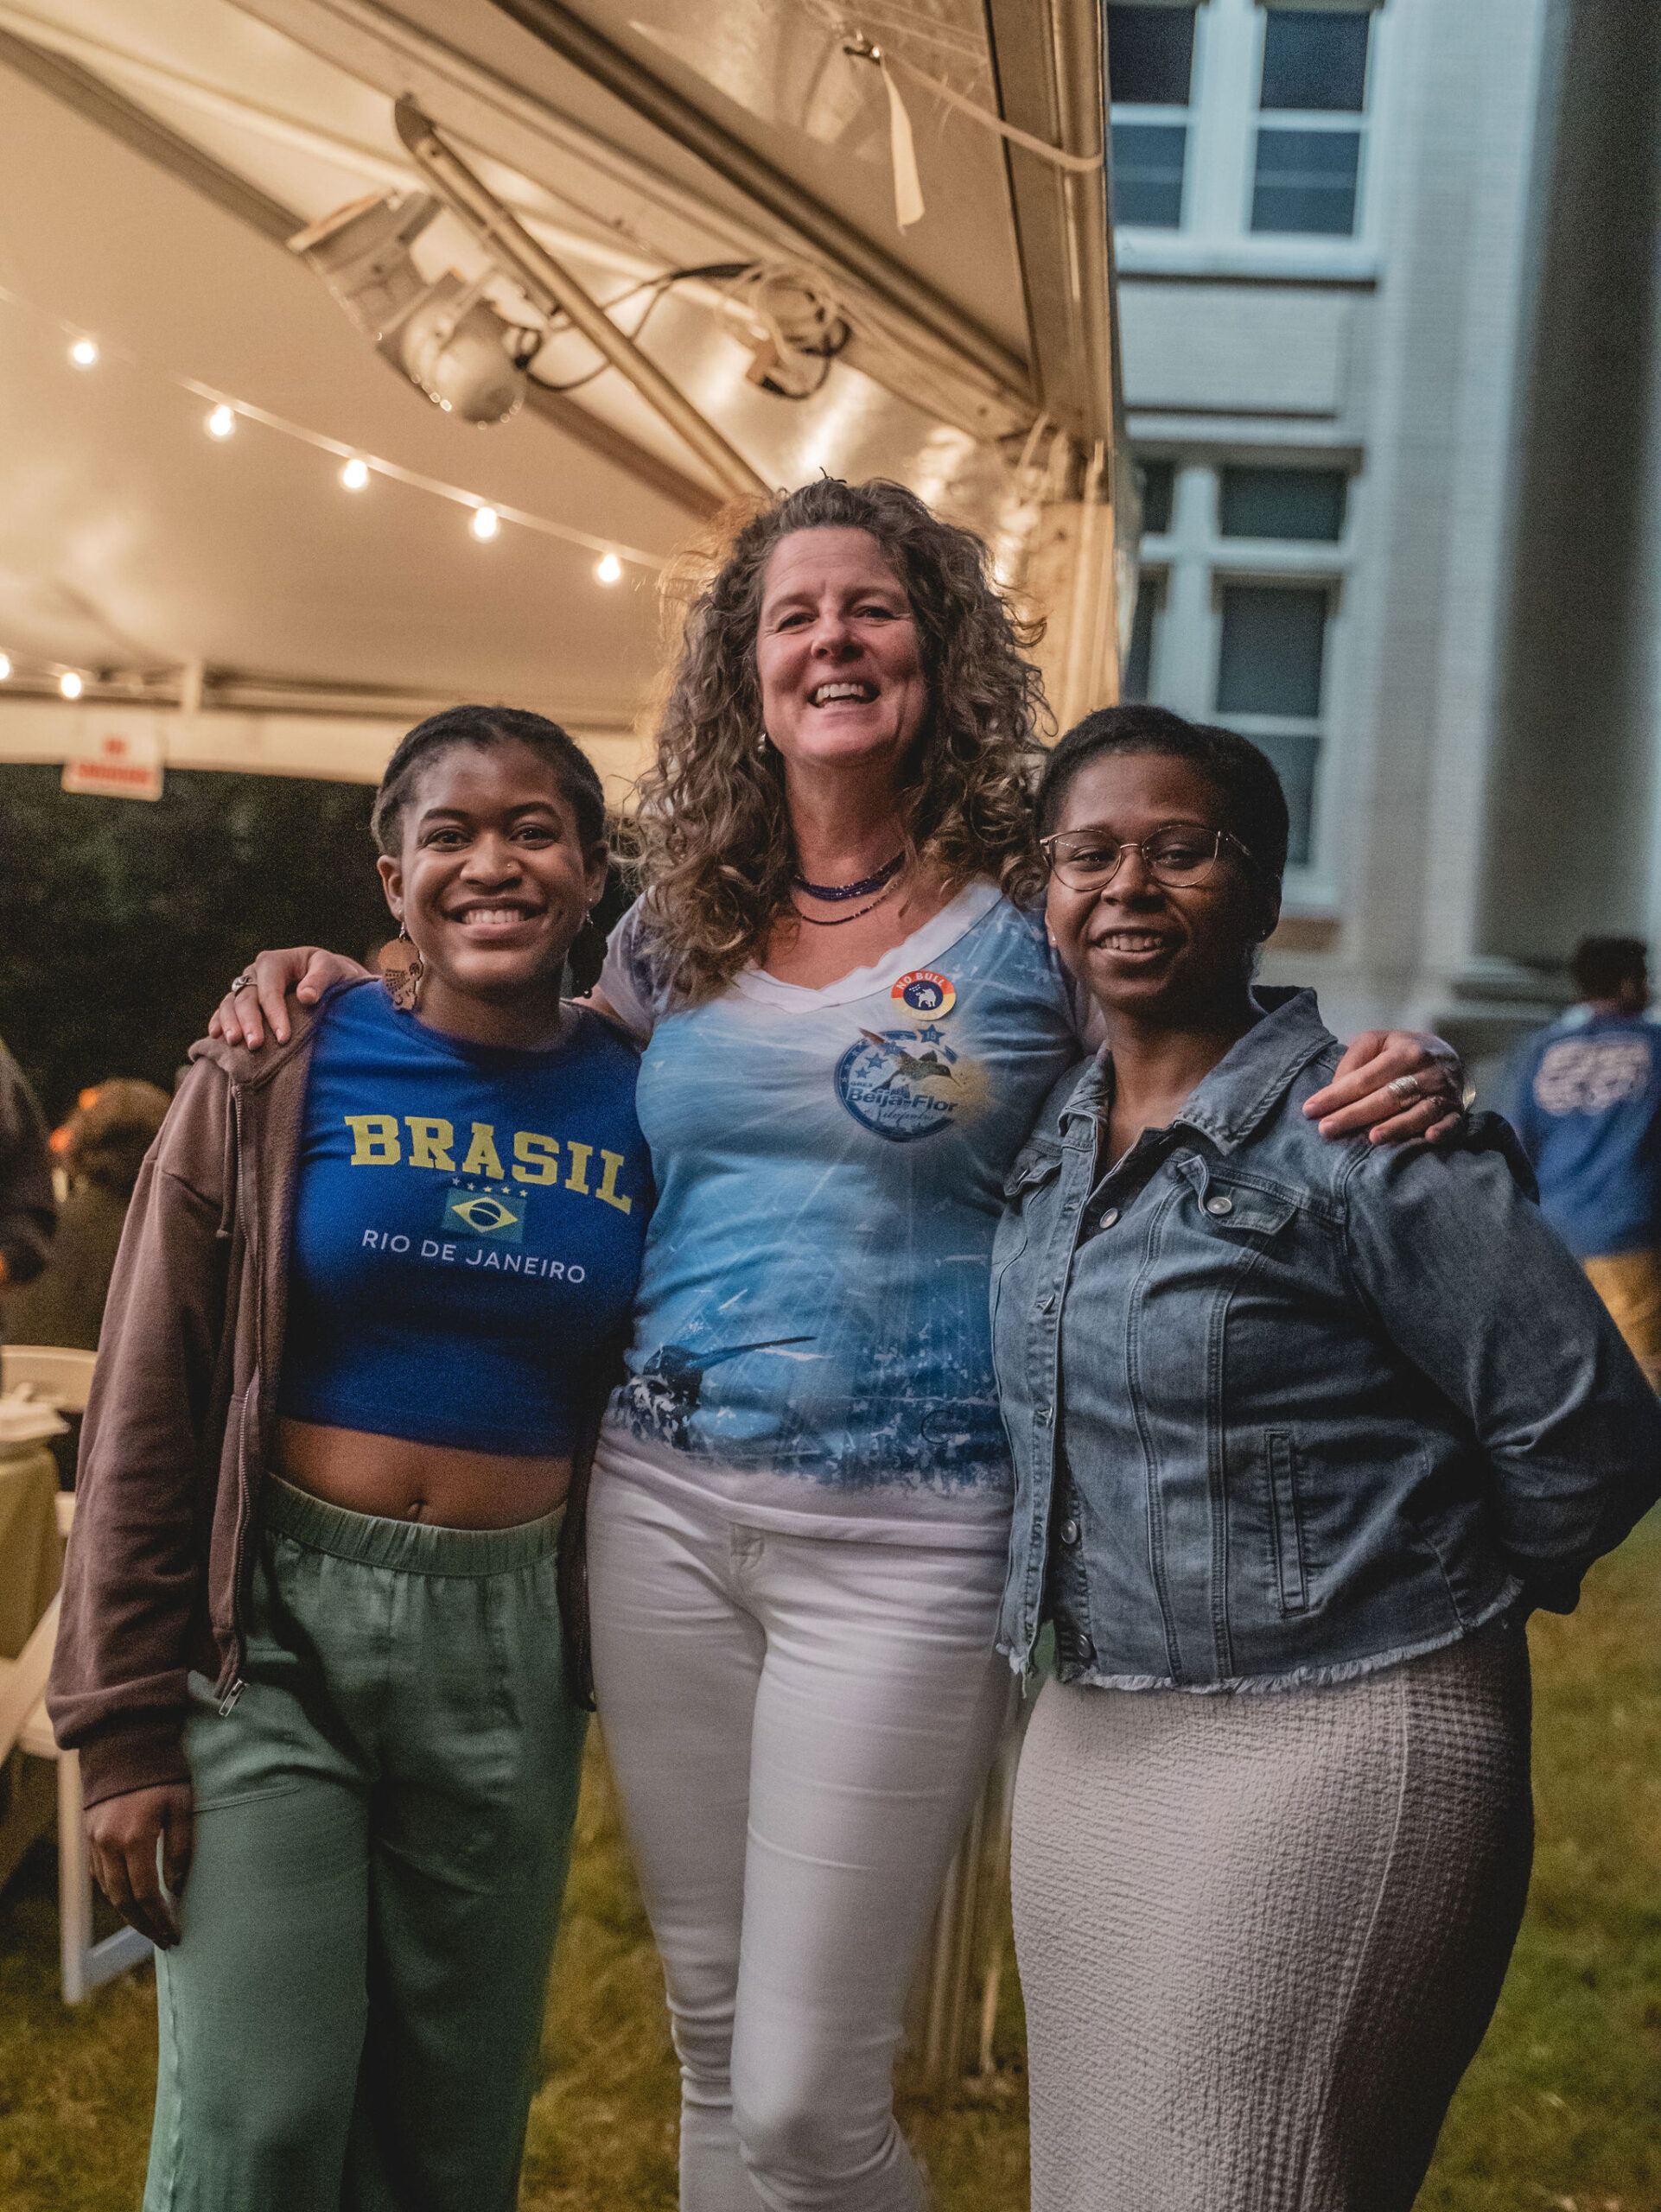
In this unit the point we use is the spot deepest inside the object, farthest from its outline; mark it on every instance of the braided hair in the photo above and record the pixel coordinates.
(485, 728)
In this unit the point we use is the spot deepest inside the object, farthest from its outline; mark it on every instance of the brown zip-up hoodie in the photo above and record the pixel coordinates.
(174, 1443)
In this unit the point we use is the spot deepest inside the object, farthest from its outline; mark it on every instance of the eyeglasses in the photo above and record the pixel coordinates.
(1088, 859)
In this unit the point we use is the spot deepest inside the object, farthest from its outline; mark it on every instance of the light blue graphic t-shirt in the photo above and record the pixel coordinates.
(811, 1341)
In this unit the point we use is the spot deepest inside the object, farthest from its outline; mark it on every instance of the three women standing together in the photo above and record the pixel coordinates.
(799, 1524)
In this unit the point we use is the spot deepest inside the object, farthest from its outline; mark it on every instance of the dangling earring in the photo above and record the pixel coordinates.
(762, 743)
(404, 984)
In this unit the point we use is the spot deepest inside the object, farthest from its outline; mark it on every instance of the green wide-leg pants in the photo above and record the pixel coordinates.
(350, 2022)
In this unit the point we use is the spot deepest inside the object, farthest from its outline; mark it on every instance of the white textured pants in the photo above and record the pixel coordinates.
(798, 1727)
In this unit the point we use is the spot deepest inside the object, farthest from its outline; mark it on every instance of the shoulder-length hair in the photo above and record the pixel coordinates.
(716, 851)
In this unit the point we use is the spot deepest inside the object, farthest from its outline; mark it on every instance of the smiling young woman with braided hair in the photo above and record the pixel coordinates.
(801, 1499)
(311, 1644)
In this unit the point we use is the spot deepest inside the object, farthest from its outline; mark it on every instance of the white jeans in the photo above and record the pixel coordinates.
(798, 1727)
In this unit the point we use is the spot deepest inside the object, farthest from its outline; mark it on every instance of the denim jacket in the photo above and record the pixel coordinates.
(1285, 1410)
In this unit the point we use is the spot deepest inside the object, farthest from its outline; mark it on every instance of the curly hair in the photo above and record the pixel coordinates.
(716, 853)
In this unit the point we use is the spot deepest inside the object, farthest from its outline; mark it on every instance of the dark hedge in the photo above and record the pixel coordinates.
(121, 922)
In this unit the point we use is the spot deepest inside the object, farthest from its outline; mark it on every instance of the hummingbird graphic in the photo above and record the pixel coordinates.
(915, 1068)
(665, 1393)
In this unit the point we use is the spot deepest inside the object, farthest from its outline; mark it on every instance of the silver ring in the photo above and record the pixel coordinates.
(242, 982)
(1405, 1086)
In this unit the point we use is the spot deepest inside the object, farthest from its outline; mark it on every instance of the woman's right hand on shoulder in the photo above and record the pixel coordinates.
(122, 1835)
(305, 969)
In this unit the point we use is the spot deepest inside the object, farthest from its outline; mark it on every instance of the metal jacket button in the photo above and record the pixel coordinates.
(1069, 1532)
(1219, 1205)
(1110, 1216)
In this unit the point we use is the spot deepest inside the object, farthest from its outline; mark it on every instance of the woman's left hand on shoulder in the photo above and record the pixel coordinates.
(1396, 1084)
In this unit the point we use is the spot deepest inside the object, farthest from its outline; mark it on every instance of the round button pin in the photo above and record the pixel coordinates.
(925, 993)
(1219, 1205)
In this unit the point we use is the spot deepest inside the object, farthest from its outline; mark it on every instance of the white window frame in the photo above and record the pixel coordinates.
(1219, 168)
(1195, 562)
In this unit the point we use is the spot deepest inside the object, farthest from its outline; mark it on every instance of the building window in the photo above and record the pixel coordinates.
(1151, 74)
(1315, 58)
(1137, 682)
(1234, 616)
(1315, 70)
(1292, 502)
(1295, 756)
(1273, 644)
(1158, 482)
(1269, 664)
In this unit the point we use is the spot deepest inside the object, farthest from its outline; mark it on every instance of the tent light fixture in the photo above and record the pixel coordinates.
(355, 474)
(485, 522)
(70, 684)
(222, 422)
(608, 568)
(5, 666)
(84, 353)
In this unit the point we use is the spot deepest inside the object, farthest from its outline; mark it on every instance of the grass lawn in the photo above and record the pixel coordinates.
(1562, 2109)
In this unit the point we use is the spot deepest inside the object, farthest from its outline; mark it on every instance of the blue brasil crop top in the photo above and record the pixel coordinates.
(468, 1229)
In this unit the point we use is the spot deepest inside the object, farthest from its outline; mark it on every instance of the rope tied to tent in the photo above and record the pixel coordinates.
(907, 183)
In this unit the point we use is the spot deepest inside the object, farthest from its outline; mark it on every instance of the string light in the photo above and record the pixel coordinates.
(5, 667)
(355, 470)
(608, 568)
(69, 684)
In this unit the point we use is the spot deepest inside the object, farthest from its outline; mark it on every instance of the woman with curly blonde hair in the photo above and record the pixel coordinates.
(800, 1506)
(800, 1503)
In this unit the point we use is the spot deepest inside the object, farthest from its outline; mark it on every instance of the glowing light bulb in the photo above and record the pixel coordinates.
(608, 568)
(485, 522)
(355, 475)
(69, 684)
(221, 423)
(5, 667)
(84, 354)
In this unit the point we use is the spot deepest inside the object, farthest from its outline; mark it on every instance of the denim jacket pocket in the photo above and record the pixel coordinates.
(1036, 1163)
(1232, 1206)
(1032, 1172)
(1285, 1520)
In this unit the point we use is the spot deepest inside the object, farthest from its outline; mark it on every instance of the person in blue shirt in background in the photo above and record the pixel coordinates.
(1587, 1104)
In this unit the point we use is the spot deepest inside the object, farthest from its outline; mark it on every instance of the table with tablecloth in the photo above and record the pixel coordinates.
(31, 1550)
(31, 1561)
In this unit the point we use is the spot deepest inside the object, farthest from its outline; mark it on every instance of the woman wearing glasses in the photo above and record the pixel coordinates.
(800, 1504)
(1303, 1432)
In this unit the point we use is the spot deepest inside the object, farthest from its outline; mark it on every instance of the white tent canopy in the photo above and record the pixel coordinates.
(230, 598)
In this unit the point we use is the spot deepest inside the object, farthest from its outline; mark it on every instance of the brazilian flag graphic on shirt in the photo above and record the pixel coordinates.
(482, 1213)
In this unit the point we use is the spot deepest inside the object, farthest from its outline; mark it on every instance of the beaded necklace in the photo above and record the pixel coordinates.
(833, 892)
(823, 922)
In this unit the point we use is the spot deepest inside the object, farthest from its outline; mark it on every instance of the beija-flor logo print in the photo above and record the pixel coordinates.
(904, 1083)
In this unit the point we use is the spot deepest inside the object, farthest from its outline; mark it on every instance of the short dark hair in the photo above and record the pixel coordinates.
(484, 727)
(1602, 964)
(106, 1137)
(1243, 776)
